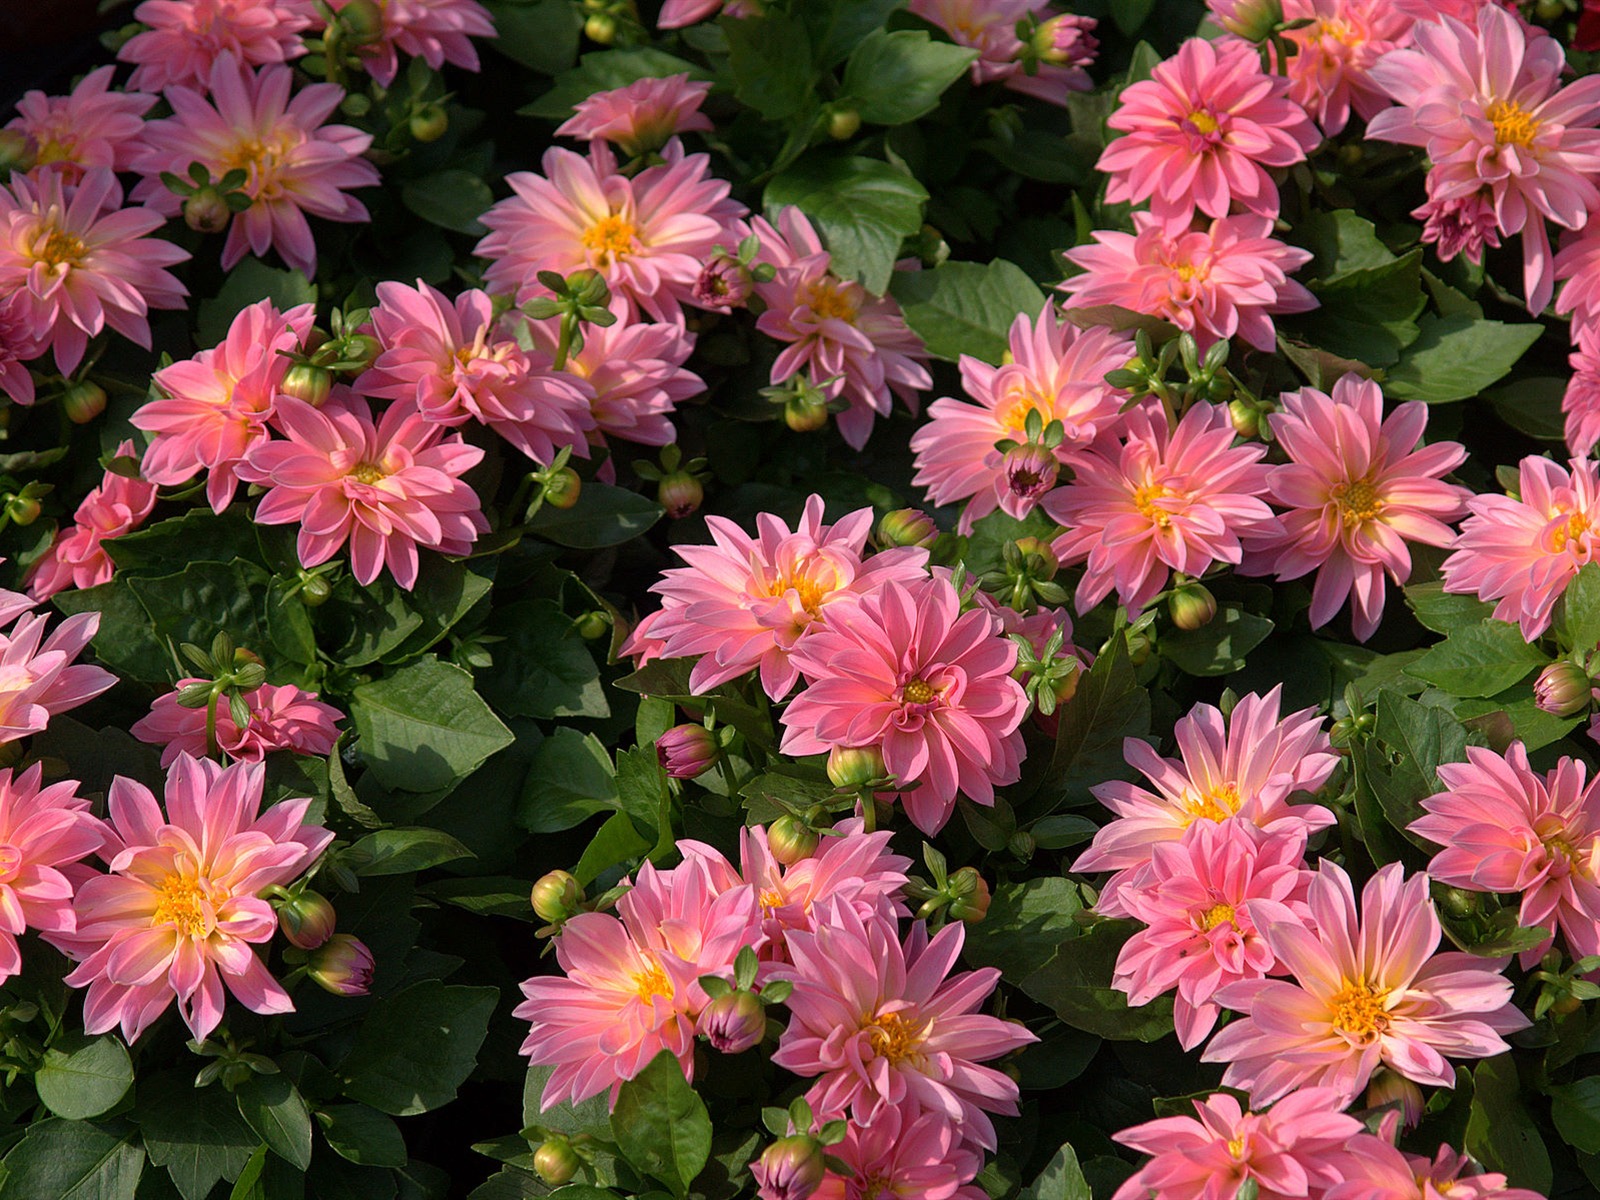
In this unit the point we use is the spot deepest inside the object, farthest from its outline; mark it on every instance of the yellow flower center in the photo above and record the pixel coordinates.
(1357, 1012)
(611, 238)
(894, 1037)
(1558, 840)
(1144, 499)
(179, 904)
(1217, 914)
(1236, 1148)
(53, 150)
(60, 248)
(1202, 122)
(1218, 804)
(652, 982)
(918, 691)
(1576, 526)
(367, 472)
(771, 898)
(1513, 124)
(1358, 501)
(829, 300)
(1012, 414)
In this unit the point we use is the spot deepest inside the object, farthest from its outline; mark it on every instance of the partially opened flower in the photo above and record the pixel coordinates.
(18, 345)
(903, 1157)
(45, 833)
(39, 675)
(183, 38)
(436, 31)
(1330, 73)
(280, 718)
(641, 116)
(77, 558)
(92, 126)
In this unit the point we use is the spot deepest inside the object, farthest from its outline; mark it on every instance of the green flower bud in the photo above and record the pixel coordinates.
(1192, 606)
(555, 1161)
(207, 211)
(907, 527)
(843, 123)
(855, 766)
(429, 123)
(562, 488)
(83, 401)
(1563, 689)
(306, 382)
(557, 896)
(307, 920)
(342, 965)
(791, 840)
(970, 894)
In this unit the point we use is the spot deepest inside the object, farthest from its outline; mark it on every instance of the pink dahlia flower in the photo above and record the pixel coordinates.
(647, 235)
(39, 676)
(1220, 282)
(1375, 1170)
(883, 1027)
(459, 364)
(1163, 502)
(1465, 11)
(77, 558)
(18, 345)
(436, 31)
(1196, 902)
(1201, 132)
(281, 718)
(631, 984)
(73, 261)
(179, 912)
(1524, 552)
(852, 345)
(45, 832)
(1581, 399)
(385, 488)
(1331, 70)
(1053, 369)
(297, 164)
(1357, 488)
(185, 38)
(899, 1157)
(640, 117)
(1244, 766)
(1488, 107)
(1579, 264)
(1509, 830)
(990, 28)
(218, 404)
(1366, 991)
(1290, 1151)
(902, 668)
(747, 602)
(675, 14)
(92, 127)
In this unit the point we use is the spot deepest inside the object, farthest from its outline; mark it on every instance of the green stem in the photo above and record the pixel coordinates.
(211, 724)
(569, 325)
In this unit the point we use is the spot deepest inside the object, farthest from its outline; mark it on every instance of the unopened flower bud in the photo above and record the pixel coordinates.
(359, 350)
(16, 153)
(362, 21)
(555, 1161)
(428, 123)
(1066, 40)
(1563, 689)
(593, 624)
(206, 211)
(907, 527)
(724, 283)
(562, 488)
(971, 896)
(83, 401)
(1457, 902)
(855, 766)
(22, 510)
(314, 592)
(306, 382)
(1192, 606)
(342, 965)
(680, 493)
(1245, 417)
(1031, 470)
(1253, 20)
(806, 413)
(687, 751)
(307, 920)
(601, 27)
(791, 840)
(843, 123)
(557, 897)
(1391, 1087)
(733, 1023)
(789, 1169)
(1040, 558)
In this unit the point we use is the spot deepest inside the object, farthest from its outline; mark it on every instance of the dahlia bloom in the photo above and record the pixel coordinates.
(675, 14)
(182, 906)
(1357, 488)
(458, 364)
(1487, 107)
(1581, 399)
(386, 488)
(281, 718)
(903, 669)
(1196, 903)
(77, 558)
(92, 127)
(1331, 71)
(186, 37)
(900, 1157)
(1465, 11)
(631, 984)
(1579, 264)
(647, 235)
(297, 164)
(218, 404)
(1219, 282)
(747, 602)
(853, 345)
(19, 344)
(1244, 766)
(436, 31)
(1366, 991)
(1165, 501)
(1524, 552)
(640, 117)
(989, 27)
(1375, 1170)
(73, 261)
(1506, 829)
(45, 832)
(1201, 132)
(883, 1027)
(1290, 1151)
(1460, 225)
(1053, 369)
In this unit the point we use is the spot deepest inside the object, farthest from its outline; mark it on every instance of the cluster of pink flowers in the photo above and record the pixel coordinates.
(77, 557)
(281, 717)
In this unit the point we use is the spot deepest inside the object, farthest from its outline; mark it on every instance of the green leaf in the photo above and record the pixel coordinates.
(251, 281)
(417, 1046)
(1455, 358)
(1219, 646)
(199, 535)
(1108, 707)
(1500, 1132)
(603, 516)
(592, 1118)
(423, 728)
(893, 78)
(363, 1135)
(1575, 1108)
(661, 1125)
(1368, 314)
(273, 1107)
(1061, 1180)
(451, 199)
(197, 1134)
(541, 34)
(1445, 612)
(125, 641)
(1025, 924)
(484, 895)
(770, 61)
(1340, 242)
(603, 71)
(1130, 15)
(73, 1160)
(401, 851)
(571, 780)
(82, 1077)
(1532, 406)
(966, 308)
(1076, 984)
(616, 842)
(861, 207)
(542, 666)
(1578, 620)
(205, 599)
(838, 26)
(1478, 660)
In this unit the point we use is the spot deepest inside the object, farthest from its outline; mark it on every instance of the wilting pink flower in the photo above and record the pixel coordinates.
(1197, 905)
(1509, 830)
(218, 403)
(297, 164)
(73, 261)
(178, 913)
(1330, 72)
(1524, 552)
(746, 602)
(1201, 132)
(647, 235)
(92, 127)
(631, 984)
(1366, 991)
(1219, 282)
(1245, 767)
(436, 31)
(883, 1027)
(640, 117)
(904, 669)
(1488, 108)
(385, 488)
(900, 1157)
(1165, 501)
(45, 832)
(990, 28)
(77, 558)
(458, 364)
(1581, 400)
(185, 37)
(39, 676)
(281, 718)
(1358, 488)
(1289, 1151)
(1375, 1170)
(1053, 369)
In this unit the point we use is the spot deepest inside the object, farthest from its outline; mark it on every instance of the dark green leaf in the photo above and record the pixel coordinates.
(417, 1046)
(82, 1077)
(273, 1107)
(423, 728)
(73, 1160)
(1218, 647)
(661, 1125)
(770, 60)
(401, 851)
(542, 666)
(603, 71)
(1108, 707)
(1025, 924)
(1340, 243)
(571, 780)
(837, 26)
(966, 308)
(541, 34)
(1532, 406)
(616, 842)
(1500, 1132)
(1455, 358)
(249, 282)
(603, 516)
(862, 207)
(1061, 1180)
(197, 1134)
(1368, 314)
(363, 1135)
(451, 199)
(124, 641)
(1575, 1108)
(205, 599)
(1478, 660)
(1076, 984)
(1578, 619)
(893, 78)
(484, 895)
(1445, 612)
